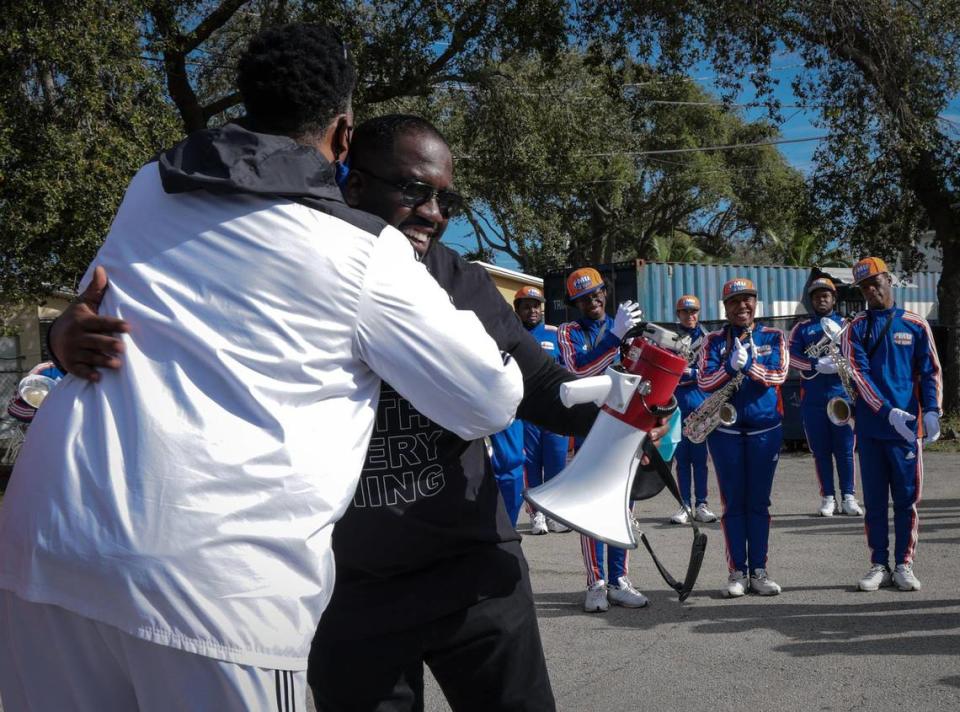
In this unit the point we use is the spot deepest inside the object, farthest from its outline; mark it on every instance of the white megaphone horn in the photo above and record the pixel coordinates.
(592, 494)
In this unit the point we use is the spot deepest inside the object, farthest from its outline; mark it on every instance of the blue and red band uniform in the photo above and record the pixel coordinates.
(691, 457)
(827, 441)
(745, 455)
(544, 452)
(902, 372)
(587, 348)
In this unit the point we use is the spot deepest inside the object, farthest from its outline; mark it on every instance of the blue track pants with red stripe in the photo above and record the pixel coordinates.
(745, 467)
(891, 468)
(593, 550)
(829, 442)
(692, 457)
(544, 454)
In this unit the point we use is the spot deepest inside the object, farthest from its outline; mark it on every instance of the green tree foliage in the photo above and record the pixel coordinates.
(881, 72)
(560, 159)
(80, 112)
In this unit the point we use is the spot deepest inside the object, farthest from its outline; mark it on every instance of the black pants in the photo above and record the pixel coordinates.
(487, 658)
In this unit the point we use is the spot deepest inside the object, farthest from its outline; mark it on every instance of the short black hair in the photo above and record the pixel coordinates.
(295, 78)
(375, 138)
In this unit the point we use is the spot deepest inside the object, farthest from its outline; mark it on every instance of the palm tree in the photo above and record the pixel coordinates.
(677, 248)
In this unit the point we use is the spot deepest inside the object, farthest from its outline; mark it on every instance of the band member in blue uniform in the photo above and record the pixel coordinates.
(691, 457)
(745, 453)
(827, 440)
(506, 459)
(545, 453)
(587, 346)
(897, 373)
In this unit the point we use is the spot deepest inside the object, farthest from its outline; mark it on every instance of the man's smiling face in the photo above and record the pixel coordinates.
(416, 156)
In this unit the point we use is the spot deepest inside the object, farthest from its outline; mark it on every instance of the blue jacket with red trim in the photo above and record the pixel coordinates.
(904, 371)
(758, 399)
(817, 388)
(546, 336)
(688, 393)
(587, 346)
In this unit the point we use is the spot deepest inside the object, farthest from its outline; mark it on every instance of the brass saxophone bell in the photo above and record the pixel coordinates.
(839, 411)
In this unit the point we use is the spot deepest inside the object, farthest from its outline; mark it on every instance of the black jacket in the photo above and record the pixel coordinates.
(428, 516)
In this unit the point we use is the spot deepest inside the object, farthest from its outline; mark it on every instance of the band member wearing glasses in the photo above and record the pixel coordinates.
(897, 372)
(828, 441)
(545, 453)
(587, 346)
(691, 457)
(745, 453)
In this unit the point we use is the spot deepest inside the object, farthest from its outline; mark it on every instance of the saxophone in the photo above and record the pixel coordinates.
(716, 410)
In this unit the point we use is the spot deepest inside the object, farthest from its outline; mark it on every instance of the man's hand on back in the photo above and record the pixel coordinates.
(81, 339)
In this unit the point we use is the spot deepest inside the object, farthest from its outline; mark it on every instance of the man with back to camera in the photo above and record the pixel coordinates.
(545, 453)
(691, 456)
(443, 556)
(827, 440)
(895, 366)
(588, 346)
(152, 542)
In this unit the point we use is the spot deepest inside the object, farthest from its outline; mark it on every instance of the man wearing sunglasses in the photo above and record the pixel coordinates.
(167, 535)
(429, 569)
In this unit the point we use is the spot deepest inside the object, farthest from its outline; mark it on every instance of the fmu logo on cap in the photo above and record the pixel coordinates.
(868, 267)
(582, 282)
(739, 285)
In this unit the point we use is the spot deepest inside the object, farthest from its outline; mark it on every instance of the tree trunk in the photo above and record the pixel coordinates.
(948, 294)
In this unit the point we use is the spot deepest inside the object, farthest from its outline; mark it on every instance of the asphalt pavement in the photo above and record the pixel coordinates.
(820, 645)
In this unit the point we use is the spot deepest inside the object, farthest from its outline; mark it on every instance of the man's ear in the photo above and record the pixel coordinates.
(342, 135)
(353, 189)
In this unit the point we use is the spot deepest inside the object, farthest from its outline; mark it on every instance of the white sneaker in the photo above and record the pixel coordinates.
(877, 576)
(904, 578)
(762, 584)
(557, 527)
(703, 514)
(538, 523)
(737, 584)
(624, 594)
(827, 506)
(681, 517)
(596, 598)
(851, 507)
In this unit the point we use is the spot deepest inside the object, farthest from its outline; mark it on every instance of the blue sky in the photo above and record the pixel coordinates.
(798, 124)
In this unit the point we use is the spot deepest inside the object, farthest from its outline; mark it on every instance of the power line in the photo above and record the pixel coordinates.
(702, 149)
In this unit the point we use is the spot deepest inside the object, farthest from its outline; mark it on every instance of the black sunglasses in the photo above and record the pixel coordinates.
(414, 193)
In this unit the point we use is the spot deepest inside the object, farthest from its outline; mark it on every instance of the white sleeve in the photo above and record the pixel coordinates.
(438, 358)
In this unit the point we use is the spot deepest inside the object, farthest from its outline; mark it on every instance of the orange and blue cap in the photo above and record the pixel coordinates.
(821, 283)
(689, 302)
(582, 282)
(737, 286)
(528, 292)
(868, 267)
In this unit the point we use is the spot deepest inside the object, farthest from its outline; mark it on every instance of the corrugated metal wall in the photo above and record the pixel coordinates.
(657, 285)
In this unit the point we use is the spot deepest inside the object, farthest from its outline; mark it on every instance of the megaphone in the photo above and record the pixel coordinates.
(592, 494)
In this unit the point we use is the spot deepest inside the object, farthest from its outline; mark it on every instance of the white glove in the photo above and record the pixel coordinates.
(739, 355)
(826, 365)
(931, 427)
(628, 315)
(899, 419)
